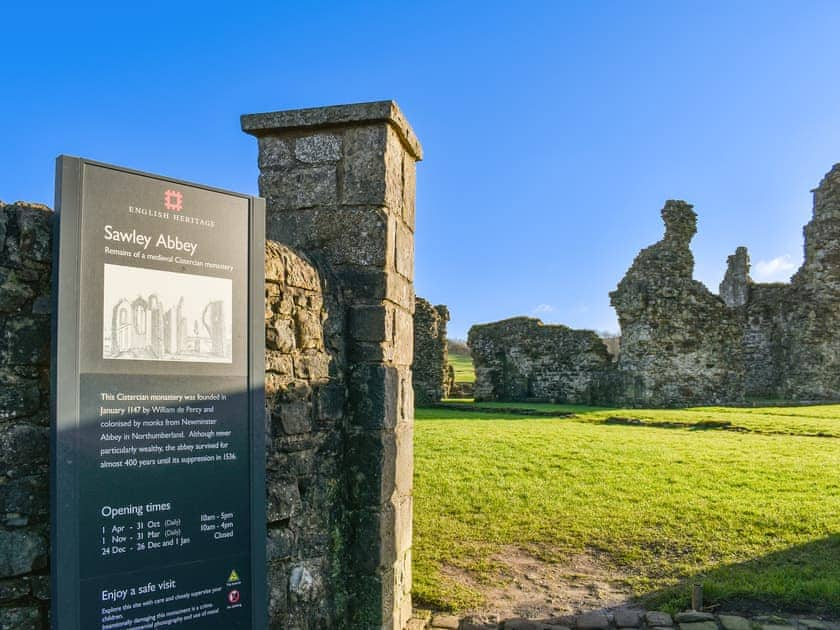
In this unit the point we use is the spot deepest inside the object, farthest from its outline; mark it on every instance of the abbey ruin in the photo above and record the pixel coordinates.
(431, 372)
(680, 343)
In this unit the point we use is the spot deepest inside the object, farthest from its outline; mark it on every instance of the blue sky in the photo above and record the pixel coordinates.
(553, 132)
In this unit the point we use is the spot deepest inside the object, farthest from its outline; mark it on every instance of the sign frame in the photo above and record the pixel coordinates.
(65, 372)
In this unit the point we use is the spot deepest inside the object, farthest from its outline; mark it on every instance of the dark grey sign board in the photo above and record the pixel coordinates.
(158, 455)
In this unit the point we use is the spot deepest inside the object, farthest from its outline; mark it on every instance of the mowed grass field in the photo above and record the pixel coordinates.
(746, 501)
(463, 365)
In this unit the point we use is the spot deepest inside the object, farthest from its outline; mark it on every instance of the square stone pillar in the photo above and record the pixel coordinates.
(339, 184)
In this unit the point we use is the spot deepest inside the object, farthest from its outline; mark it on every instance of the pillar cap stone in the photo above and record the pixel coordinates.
(335, 116)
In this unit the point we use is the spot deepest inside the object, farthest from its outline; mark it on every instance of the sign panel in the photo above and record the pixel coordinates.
(158, 515)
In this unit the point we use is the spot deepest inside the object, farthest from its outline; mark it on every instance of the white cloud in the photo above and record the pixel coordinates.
(778, 269)
(541, 309)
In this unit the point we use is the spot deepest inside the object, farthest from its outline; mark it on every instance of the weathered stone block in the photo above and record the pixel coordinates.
(301, 274)
(301, 187)
(373, 396)
(274, 152)
(361, 284)
(280, 544)
(22, 618)
(309, 333)
(403, 337)
(406, 400)
(295, 417)
(27, 495)
(40, 586)
(627, 618)
(330, 399)
(14, 292)
(400, 291)
(403, 527)
(372, 322)
(280, 335)
(19, 397)
(364, 165)
(24, 449)
(283, 499)
(404, 252)
(394, 175)
(278, 590)
(593, 621)
(370, 460)
(306, 582)
(21, 552)
(13, 589)
(344, 236)
(371, 352)
(42, 305)
(446, 622)
(312, 366)
(658, 618)
(404, 463)
(33, 246)
(318, 148)
(26, 341)
(734, 622)
(409, 188)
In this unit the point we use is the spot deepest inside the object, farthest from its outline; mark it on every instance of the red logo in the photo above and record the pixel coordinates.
(173, 200)
(233, 596)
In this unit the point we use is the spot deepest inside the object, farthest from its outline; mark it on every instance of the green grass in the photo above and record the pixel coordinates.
(746, 500)
(818, 420)
(464, 371)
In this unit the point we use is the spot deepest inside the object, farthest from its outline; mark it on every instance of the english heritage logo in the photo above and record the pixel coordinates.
(173, 200)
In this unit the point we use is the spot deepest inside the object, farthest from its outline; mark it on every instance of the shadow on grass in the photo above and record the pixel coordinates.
(704, 425)
(804, 579)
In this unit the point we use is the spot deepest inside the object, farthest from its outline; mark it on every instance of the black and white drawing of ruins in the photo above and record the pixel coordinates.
(148, 317)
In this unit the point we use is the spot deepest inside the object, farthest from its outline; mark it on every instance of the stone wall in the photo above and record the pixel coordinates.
(25, 264)
(431, 369)
(524, 359)
(791, 336)
(305, 398)
(680, 344)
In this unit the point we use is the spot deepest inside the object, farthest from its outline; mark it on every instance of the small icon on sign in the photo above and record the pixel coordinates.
(233, 597)
(234, 576)
(173, 200)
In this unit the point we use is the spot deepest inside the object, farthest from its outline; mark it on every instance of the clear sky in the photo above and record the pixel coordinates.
(553, 132)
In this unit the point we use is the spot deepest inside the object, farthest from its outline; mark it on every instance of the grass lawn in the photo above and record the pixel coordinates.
(745, 500)
(464, 371)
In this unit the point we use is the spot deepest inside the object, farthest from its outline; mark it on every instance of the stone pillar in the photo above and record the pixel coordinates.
(735, 287)
(339, 184)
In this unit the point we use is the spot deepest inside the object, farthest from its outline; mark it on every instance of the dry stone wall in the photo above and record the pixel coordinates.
(25, 265)
(524, 359)
(432, 375)
(305, 398)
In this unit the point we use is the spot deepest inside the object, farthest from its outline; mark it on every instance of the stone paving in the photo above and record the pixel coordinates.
(624, 619)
